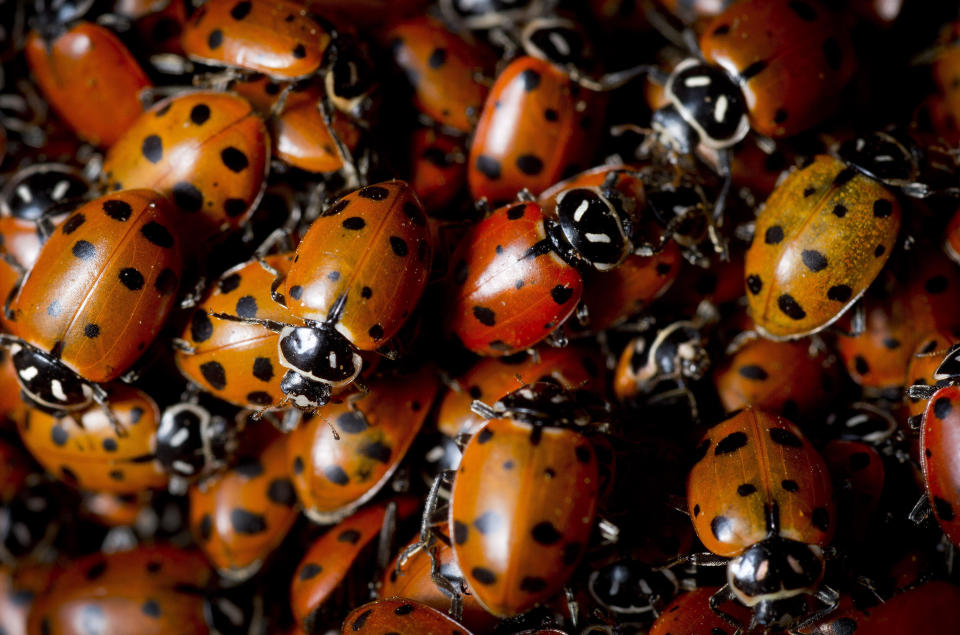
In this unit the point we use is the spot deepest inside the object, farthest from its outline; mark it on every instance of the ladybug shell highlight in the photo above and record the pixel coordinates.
(490, 379)
(237, 361)
(553, 124)
(333, 477)
(275, 37)
(90, 78)
(363, 264)
(749, 464)
(521, 512)
(85, 451)
(240, 516)
(328, 561)
(820, 240)
(137, 591)
(102, 284)
(940, 442)
(209, 152)
(445, 70)
(400, 616)
(511, 289)
(791, 60)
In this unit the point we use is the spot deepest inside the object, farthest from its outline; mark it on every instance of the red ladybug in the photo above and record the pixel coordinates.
(94, 300)
(691, 613)
(402, 617)
(88, 76)
(760, 495)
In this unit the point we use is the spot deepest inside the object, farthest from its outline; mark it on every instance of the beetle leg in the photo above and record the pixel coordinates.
(267, 324)
(351, 177)
(921, 511)
(725, 594)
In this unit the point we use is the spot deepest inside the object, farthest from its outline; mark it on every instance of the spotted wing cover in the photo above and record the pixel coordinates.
(103, 284)
(749, 465)
(821, 239)
(940, 441)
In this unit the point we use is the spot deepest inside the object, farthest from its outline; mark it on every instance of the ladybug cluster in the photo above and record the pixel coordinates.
(479, 316)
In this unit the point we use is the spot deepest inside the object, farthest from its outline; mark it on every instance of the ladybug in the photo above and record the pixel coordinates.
(760, 498)
(157, 25)
(44, 190)
(447, 72)
(328, 563)
(400, 616)
(356, 277)
(554, 121)
(145, 590)
(300, 132)
(96, 297)
(863, 422)
(209, 152)
(929, 607)
(632, 588)
(929, 353)
(235, 361)
(796, 379)
(410, 576)
(676, 353)
(87, 74)
(773, 67)
(490, 379)
(85, 451)
(822, 237)
(193, 443)
(335, 474)
(691, 613)
(240, 516)
(517, 543)
(19, 587)
(438, 169)
(515, 275)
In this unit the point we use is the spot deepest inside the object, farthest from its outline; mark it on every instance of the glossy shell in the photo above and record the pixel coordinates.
(940, 445)
(90, 79)
(438, 169)
(690, 614)
(510, 290)
(749, 462)
(274, 37)
(446, 71)
(86, 452)
(820, 240)
(791, 59)
(521, 512)
(369, 253)
(328, 562)
(400, 617)
(209, 152)
(235, 361)
(102, 284)
(239, 517)
(553, 130)
(334, 477)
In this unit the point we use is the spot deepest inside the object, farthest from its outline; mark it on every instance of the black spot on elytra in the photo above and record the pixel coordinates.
(722, 528)
(753, 70)
(545, 533)
(484, 435)
(780, 115)
(530, 79)
(199, 114)
(206, 527)
(484, 576)
(790, 307)
(215, 374)
(701, 450)
(839, 210)
(730, 443)
(529, 164)
(789, 485)
(551, 115)
(247, 522)
(784, 437)
(151, 608)
(234, 159)
(230, 283)
(152, 148)
(374, 193)
(262, 369)
(820, 518)
(74, 222)
(336, 474)
(879, 251)
(752, 371)
(201, 328)
(215, 39)
(91, 330)
(131, 278)
(376, 332)
(844, 176)
(234, 207)
(814, 260)
(298, 465)
(773, 235)
(532, 584)
(936, 284)
(354, 223)
(281, 492)
(746, 489)
(309, 571)
(84, 250)
(299, 51)
(561, 294)
(404, 609)
(349, 535)
(860, 365)
(375, 450)
(247, 307)
(399, 246)
(891, 343)
(438, 58)
(942, 407)
(115, 209)
(187, 197)
(484, 315)
(460, 532)
(839, 293)
(166, 282)
(259, 398)
(489, 167)
(754, 283)
(96, 570)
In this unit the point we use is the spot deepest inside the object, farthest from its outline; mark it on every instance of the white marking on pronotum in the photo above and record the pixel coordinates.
(560, 44)
(183, 467)
(24, 192)
(180, 437)
(57, 389)
(696, 80)
(581, 210)
(720, 111)
(883, 157)
(60, 189)
(29, 373)
(597, 238)
(332, 357)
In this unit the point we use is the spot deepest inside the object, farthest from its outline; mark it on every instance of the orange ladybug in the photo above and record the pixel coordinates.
(96, 297)
(209, 152)
(760, 495)
(400, 616)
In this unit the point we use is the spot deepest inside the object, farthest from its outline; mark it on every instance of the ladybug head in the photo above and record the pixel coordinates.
(350, 80)
(47, 384)
(773, 575)
(557, 41)
(682, 208)
(191, 442)
(318, 358)
(304, 393)
(882, 156)
(43, 190)
(706, 106)
(485, 14)
(594, 225)
(545, 402)
(864, 422)
(631, 587)
(51, 17)
(949, 368)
